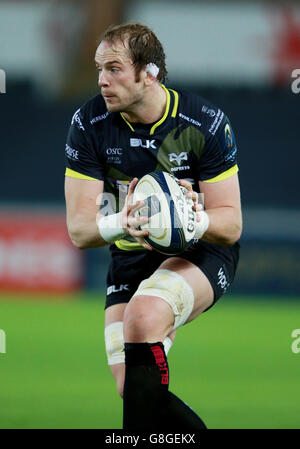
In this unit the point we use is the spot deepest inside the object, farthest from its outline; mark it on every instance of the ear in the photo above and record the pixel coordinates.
(148, 78)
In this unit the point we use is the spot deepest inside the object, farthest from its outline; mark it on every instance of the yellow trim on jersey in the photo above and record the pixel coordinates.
(166, 111)
(226, 174)
(127, 246)
(176, 97)
(74, 174)
(127, 122)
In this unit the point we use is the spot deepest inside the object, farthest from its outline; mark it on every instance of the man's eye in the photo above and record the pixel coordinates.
(114, 69)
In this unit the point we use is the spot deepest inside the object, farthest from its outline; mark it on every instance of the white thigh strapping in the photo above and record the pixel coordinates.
(174, 289)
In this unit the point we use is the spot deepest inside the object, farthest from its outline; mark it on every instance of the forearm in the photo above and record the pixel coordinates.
(84, 232)
(225, 226)
(88, 232)
(89, 229)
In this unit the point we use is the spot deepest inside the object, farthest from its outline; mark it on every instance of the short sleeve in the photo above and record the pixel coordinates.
(219, 157)
(82, 160)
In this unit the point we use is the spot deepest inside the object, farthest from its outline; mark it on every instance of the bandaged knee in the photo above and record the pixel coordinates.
(172, 288)
(114, 343)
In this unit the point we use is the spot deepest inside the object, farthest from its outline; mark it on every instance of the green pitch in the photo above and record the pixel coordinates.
(234, 365)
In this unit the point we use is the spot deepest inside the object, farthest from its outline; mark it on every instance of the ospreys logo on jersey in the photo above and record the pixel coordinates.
(173, 157)
(178, 157)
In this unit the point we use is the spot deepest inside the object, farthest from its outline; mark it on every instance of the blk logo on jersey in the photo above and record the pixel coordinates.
(115, 289)
(178, 157)
(142, 143)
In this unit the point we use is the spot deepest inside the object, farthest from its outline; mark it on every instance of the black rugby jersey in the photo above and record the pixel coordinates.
(193, 140)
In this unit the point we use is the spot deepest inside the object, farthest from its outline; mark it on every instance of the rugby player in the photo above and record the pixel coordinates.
(134, 126)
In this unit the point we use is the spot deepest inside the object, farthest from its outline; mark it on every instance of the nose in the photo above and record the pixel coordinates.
(102, 79)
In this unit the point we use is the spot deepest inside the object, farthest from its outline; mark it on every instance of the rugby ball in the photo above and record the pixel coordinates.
(172, 220)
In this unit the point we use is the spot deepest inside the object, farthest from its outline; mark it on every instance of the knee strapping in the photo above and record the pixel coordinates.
(174, 289)
(114, 343)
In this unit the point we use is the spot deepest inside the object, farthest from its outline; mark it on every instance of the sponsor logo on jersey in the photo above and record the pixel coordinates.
(143, 143)
(229, 144)
(223, 282)
(72, 153)
(76, 119)
(178, 157)
(99, 118)
(232, 156)
(216, 123)
(117, 151)
(115, 289)
(114, 155)
(208, 111)
(189, 119)
(184, 167)
(228, 137)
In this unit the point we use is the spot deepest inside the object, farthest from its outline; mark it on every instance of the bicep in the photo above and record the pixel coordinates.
(224, 193)
(82, 197)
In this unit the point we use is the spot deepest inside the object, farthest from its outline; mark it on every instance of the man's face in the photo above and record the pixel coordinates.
(117, 81)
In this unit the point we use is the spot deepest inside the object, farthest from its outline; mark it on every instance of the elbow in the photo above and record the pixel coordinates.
(235, 230)
(231, 235)
(78, 243)
(76, 237)
(234, 235)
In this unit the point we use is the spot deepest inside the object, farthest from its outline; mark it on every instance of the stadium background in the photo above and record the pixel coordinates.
(244, 364)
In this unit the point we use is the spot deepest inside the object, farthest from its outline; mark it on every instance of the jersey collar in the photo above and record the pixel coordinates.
(171, 109)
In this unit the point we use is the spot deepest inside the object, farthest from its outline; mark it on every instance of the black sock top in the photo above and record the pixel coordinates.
(141, 353)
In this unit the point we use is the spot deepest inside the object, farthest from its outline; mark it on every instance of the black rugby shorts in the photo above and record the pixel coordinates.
(129, 268)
